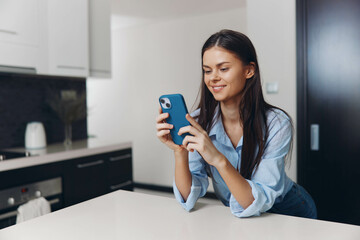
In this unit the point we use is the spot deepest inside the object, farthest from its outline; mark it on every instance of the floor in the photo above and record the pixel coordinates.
(171, 195)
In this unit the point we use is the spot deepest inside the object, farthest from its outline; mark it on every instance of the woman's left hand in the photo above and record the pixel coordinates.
(201, 142)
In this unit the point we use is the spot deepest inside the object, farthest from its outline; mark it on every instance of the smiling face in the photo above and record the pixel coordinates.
(225, 74)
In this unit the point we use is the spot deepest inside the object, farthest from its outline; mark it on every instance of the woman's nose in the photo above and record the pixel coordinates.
(214, 76)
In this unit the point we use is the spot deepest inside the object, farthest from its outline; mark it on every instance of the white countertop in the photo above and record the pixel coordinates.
(129, 215)
(58, 152)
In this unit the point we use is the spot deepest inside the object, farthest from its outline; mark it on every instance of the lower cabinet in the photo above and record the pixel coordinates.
(84, 178)
(119, 170)
(80, 179)
(92, 176)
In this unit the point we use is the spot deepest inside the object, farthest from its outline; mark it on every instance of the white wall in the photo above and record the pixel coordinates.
(148, 61)
(271, 26)
(164, 57)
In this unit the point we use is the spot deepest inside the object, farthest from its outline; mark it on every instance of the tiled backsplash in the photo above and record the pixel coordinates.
(23, 99)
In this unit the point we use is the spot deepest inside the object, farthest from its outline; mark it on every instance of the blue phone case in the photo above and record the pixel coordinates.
(177, 112)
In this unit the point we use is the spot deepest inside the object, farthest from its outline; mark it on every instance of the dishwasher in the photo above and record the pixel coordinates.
(12, 198)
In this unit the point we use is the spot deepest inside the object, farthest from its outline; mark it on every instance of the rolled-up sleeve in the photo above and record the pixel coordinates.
(199, 182)
(268, 182)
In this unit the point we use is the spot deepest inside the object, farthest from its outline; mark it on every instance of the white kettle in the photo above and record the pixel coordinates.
(35, 137)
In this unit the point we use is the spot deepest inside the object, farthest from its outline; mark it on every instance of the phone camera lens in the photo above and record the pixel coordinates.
(162, 100)
(168, 105)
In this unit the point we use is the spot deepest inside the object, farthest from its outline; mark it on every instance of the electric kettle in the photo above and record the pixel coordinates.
(35, 137)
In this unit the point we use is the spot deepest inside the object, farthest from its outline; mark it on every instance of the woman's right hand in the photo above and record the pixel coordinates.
(163, 132)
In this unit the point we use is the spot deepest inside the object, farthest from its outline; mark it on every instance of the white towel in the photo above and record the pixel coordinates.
(32, 209)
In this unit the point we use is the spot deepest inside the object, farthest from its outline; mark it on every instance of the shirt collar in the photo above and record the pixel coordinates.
(218, 130)
(217, 125)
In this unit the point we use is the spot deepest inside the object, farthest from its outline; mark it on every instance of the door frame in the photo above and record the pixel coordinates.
(301, 90)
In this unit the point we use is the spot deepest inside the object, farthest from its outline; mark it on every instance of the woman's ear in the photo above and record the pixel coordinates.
(250, 70)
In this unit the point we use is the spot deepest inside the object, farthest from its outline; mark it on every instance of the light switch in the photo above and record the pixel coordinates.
(272, 87)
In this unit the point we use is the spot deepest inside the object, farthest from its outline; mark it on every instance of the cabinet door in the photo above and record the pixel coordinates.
(18, 55)
(84, 179)
(100, 43)
(19, 21)
(68, 37)
(120, 170)
(19, 33)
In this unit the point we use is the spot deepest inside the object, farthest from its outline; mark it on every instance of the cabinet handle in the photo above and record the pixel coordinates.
(117, 158)
(71, 67)
(89, 164)
(8, 32)
(118, 186)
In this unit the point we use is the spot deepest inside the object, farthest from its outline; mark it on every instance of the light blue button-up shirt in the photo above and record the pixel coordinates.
(269, 184)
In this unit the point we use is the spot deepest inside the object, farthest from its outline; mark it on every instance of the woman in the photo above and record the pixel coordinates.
(237, 139)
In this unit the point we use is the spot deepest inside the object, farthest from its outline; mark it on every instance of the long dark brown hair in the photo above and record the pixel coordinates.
(253, 107)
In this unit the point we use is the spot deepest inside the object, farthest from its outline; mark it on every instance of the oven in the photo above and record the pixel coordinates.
(12, 198)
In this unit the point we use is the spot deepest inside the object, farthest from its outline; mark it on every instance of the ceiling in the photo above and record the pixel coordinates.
(167, 9)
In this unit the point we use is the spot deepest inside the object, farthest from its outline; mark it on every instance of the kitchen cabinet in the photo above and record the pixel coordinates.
(18, 55)
(92, 176)
(19, 33)
(19, 21)
(68, 36)
(100, 43)
(119, 173)
(23, 176)
(57, 37)
(83, 178)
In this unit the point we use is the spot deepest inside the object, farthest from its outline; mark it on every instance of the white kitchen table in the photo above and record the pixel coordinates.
(130, 215)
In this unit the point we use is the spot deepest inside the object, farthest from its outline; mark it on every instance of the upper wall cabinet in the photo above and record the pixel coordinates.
(19, 33)
(100, 44)
(19, 21)
(68, 37)
(57, 37)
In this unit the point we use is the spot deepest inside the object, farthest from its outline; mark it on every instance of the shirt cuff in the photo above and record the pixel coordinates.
(195, 193)
(259, 205)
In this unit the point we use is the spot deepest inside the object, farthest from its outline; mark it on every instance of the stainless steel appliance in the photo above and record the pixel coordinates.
(12, 198)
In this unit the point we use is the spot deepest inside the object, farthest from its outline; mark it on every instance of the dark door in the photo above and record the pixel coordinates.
(328, 49)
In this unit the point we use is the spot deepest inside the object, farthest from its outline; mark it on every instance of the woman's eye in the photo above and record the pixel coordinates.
(224, 69)
(207, 71)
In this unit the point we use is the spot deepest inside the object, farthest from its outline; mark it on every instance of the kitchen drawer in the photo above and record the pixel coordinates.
(85, 178)
(120, 165)
(120, 170)
(23, 176)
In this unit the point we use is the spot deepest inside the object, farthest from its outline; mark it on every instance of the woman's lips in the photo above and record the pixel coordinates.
(217, 89)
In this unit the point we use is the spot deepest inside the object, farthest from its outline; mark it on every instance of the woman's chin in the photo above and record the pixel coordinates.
(218, 96)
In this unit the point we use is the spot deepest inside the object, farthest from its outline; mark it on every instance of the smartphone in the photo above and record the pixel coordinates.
(174, 104)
